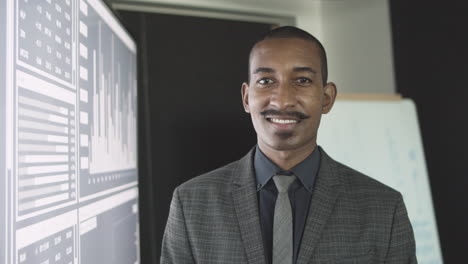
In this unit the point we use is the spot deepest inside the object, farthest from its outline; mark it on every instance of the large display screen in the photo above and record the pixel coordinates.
(68, 134)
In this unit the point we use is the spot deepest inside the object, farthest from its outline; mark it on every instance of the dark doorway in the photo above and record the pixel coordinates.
(191, 116)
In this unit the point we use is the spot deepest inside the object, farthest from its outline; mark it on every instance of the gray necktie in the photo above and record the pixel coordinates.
(282, 222)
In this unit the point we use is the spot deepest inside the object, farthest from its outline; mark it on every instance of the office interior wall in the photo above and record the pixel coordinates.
(357, 37)
(356, 34)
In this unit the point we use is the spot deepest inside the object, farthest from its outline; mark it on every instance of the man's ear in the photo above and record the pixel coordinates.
(329, 96)
(245, 97)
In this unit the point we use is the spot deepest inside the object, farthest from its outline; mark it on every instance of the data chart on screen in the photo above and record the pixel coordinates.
(68, 134)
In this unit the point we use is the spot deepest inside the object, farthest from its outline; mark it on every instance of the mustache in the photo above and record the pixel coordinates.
(297, 114)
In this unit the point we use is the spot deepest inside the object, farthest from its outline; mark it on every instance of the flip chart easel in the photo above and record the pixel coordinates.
(379, 135)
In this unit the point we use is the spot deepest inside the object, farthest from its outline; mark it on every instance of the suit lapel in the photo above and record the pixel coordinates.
(324, 196)
(244, 197)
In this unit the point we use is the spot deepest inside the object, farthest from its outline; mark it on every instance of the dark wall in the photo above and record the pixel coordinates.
(431, 61)
(191, 115)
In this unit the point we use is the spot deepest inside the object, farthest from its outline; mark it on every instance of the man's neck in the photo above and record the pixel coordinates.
(287, 159)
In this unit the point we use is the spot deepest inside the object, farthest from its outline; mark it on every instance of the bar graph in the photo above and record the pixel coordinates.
(113, 140)
(108, 108)
(46, 145)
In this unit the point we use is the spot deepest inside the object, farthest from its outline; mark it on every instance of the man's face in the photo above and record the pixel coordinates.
(285, 95)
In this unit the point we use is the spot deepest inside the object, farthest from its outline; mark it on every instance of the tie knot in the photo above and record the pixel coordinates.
(282, 182)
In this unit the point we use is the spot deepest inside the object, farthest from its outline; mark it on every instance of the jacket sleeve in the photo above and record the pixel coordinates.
(175, 244)
(402, 248)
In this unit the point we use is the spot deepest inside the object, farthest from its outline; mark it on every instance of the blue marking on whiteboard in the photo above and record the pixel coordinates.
(425, 237)
(393, 153)
(412, 154)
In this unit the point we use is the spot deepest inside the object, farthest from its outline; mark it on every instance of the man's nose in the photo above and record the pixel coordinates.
(284, 96)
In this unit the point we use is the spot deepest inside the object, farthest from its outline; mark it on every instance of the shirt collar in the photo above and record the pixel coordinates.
(306, 170)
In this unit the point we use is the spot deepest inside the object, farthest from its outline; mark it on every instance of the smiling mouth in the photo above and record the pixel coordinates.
(284, 118)
(282, 121)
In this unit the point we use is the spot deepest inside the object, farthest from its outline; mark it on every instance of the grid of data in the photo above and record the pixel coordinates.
(45, 37)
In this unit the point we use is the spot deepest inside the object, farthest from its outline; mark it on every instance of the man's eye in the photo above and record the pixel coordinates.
(304, 80)
(265, 81)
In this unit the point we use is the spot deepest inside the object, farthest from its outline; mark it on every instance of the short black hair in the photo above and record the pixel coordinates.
(294, 32)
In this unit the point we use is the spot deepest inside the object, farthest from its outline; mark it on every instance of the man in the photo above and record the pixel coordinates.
(287, 201)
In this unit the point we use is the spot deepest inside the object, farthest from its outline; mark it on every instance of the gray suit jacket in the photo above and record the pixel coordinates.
(352, 218)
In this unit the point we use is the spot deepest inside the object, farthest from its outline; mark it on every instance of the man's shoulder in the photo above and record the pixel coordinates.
(208, 190)
(215, 179)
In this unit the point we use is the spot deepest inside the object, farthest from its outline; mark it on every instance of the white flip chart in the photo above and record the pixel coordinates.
(382, 139)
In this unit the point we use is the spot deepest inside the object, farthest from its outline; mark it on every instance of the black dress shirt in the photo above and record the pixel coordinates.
(300, 193)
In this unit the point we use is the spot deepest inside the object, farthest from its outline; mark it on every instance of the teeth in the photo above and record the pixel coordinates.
(283, 121)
